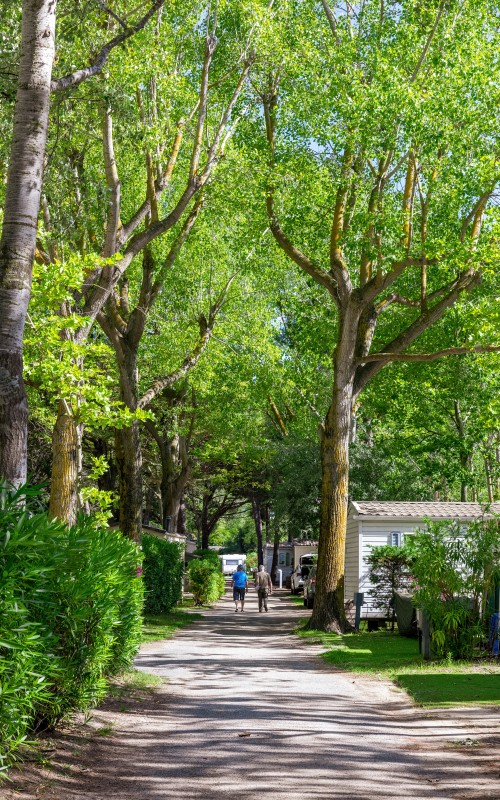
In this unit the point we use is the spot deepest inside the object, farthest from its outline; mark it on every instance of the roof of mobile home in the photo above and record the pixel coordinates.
(375, 509)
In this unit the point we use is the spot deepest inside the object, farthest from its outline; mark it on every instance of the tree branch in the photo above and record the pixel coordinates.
(210, 45)
(297, 256)
(160, 186)
(466, 281)
(174, 251)
(206, 328)
(337, 263)
(80, 75)
(428, 43)
(410, 357)
(331, 20)
(113, 185)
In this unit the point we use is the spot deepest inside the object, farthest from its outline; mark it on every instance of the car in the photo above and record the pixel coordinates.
(297, 578)
(310, 588)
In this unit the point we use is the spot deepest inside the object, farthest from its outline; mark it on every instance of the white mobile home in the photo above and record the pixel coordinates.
(376, 523)
(229, 563)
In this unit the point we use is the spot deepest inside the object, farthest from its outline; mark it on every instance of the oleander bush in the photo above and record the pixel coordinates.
(206, 580)
(163, 569)
(455, 569)
(70, 616)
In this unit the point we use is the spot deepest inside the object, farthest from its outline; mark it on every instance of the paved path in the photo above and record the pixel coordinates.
(314, 733)
(250, 712)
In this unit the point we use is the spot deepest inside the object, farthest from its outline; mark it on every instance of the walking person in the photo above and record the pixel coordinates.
(264, 586)
(239, 582)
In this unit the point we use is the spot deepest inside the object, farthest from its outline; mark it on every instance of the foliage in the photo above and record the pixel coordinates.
(236, 535)
(251, 561)
(455, 568)
(209, 555)
(206, 580)
(70, 605)
(388, 573)
(163, 570)
(430, 428)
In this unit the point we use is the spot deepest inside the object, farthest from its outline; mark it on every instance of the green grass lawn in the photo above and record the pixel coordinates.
(382, 653)
(450, 688)
(297, 599)
(163, 626)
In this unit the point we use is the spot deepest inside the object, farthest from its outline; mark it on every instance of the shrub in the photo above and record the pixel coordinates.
(93, 606)
(70, 606)
(209, 555)
(163, 570)
(388, 574)
(455, 569)
(206, 579)
(24, 668)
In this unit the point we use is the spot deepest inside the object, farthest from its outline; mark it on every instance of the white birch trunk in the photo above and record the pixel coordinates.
(17, 245)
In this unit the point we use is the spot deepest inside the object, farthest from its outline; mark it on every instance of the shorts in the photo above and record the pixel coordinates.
(238, 592)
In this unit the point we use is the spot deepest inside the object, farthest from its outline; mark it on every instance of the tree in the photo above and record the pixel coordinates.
(413, 225)
(22, 203)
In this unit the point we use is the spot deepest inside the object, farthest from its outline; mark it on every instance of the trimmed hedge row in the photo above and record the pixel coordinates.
(163, 570)
(70, 616)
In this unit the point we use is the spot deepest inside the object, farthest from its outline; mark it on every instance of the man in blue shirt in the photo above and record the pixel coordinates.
(239, 584)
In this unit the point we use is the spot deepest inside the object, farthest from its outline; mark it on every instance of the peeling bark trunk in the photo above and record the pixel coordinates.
(66, 462)
(18, 242)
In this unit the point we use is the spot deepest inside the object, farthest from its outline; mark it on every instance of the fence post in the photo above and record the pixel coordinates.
(358, 600)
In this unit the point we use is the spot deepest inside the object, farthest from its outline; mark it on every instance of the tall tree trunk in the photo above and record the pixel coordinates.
(129, 464)
(329, 610)
(205, 524)
(276, 546)
(181, 519)
(66, 464)
(256, 509)
(174, 476)
(465, 458)
(128, 447)
(488, 473)
(17, 245)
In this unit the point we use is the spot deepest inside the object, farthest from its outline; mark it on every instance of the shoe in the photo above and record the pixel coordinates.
(235, 610)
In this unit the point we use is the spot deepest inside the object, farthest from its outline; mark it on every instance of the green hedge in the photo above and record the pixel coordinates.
(206, 580)
(163, 570)
(70, 616)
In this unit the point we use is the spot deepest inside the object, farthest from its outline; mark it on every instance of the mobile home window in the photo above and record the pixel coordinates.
(281, 559)
(396, 538)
